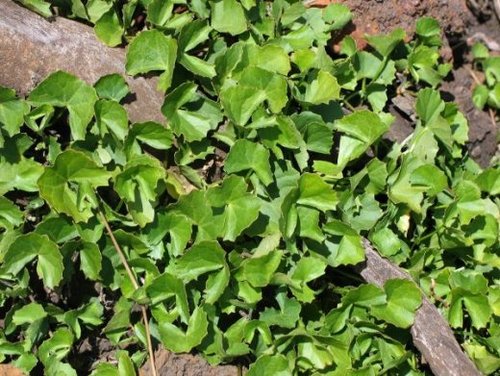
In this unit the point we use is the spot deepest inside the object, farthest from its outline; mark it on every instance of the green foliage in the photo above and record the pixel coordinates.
(243, 213)
(63, 90)
(488, 92)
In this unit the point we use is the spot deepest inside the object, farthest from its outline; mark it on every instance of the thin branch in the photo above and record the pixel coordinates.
(473, 75)
(134, 282)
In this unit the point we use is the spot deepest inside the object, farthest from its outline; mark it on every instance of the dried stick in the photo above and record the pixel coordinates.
(134, 282)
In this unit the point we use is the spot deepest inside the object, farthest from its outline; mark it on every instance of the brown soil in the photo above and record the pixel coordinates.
(169, 364)
(377, 16)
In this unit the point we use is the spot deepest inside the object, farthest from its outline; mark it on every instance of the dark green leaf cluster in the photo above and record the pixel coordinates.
(243, 214)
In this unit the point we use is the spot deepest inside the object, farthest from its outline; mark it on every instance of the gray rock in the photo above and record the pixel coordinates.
(31, 48)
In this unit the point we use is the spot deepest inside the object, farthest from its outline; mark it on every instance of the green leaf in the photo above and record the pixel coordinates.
(59, 368)
(429, 105)
(480, 96)
(204, 257)
(240, 102)
(258, 271)
(125, 365)
(269, 57)
(12, 111)
(198, 66)
(120, 321)
(345, 246)
(190, 114)
(402, 191)
(150, 133)
(289, 214)
(480, 51)
(26, 362)
(72, 168)
(89, 314)
(10, 215)
(317, 135)
(276, 365)
(216, 284)
(39, 6)
(428, 30)
(470, 289)
(177, 340)
(309, 224)
(385, 44)
(314, 192)
(22, 176)
(56, 347)
(58, 228)
(159, 11)
(39, 118)
(139, 185)
(377, 96)
(30, 246)
(323, 88)
(308, 269)
(105, 369)
(228, 16)
(177, 225)
(479, 310)
(62, 89)
(361, 129)
(403, 299)
(491, 68)
(431, 177)
(96, 8)
(91, 261)
(494, 96)
(165, 287)
(287, 315)
(193, 34)
(111, 118)
(255, 85)
(386, 241)
(337, 14)
(152, 51)
(365, 296)
(112, 86)
(246, 155)
(489, 181)
(109, 29)
(484, 360)
(29, 314)
(241, 209)
(195, 207)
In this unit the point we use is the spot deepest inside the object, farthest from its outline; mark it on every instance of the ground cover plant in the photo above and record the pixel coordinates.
(487, 92)
(234, 227)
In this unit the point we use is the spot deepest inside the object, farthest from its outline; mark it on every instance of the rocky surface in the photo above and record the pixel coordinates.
(31, 48)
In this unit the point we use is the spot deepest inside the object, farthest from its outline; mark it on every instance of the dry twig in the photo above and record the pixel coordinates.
(134, 282)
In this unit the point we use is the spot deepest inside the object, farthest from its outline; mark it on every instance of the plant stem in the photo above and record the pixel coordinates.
(134, 282)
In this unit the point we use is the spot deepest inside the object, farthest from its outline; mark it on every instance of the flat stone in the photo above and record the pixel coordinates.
(32, 47)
